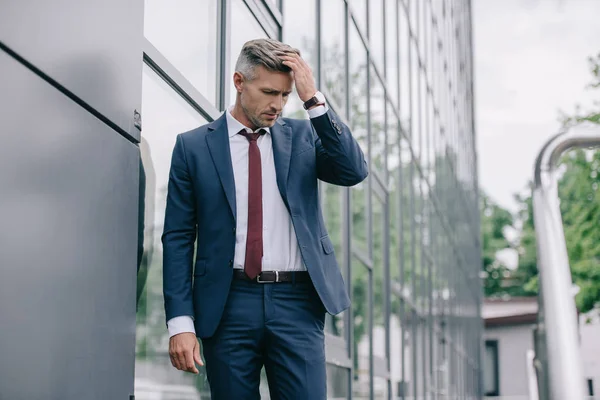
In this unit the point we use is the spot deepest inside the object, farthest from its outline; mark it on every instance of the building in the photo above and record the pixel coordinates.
(91, 88)
(509, 336)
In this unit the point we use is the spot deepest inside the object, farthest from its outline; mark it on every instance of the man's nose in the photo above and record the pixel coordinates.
(277, 103)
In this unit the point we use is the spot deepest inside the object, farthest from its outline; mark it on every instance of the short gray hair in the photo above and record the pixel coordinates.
(263, 52)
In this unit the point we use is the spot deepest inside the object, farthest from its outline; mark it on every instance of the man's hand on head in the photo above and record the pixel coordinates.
(303, 75)
(184, 350)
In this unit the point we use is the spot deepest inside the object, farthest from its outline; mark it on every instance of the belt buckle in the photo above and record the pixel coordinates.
(276, 278)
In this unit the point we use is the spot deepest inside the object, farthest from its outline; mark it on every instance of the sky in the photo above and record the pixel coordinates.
(530, 61)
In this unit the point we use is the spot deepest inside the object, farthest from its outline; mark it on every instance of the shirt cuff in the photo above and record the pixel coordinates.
(318, 111)
(180, 324)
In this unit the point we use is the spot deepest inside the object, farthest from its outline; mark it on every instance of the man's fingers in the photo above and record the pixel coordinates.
(189, 362)
(197, 357)
(176, 361)
(291, 63)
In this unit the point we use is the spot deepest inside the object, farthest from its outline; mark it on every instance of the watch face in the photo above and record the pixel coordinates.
(320, 97)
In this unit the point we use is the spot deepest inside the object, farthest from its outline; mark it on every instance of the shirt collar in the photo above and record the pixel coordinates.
(234, 126)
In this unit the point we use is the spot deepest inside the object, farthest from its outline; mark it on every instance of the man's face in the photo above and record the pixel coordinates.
(264, 97)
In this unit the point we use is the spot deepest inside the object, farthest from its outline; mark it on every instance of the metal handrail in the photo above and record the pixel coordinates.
(564, 373)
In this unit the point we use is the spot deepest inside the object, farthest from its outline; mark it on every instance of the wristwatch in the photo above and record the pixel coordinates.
(318, 98)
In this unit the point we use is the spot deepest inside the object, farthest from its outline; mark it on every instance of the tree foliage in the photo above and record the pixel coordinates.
(580, 210)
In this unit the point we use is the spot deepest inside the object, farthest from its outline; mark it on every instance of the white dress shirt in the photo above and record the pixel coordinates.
(280, 244)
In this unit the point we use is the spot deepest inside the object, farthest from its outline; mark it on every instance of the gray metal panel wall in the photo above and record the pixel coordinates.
(92, 48)
(68, 235)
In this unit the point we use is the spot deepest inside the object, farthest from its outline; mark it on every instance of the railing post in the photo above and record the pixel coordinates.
(556, 303)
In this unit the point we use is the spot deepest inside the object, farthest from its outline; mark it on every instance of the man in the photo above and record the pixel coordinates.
(245, 186)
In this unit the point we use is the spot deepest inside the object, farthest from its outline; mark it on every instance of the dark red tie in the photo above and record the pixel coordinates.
(254, 240)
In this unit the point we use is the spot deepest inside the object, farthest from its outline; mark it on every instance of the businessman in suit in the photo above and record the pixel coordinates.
(244, 189)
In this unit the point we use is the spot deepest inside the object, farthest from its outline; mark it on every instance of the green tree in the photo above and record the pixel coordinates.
(498, 279)
(580, 210)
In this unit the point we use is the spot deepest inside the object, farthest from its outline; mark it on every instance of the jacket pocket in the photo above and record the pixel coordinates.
(327, 245)
(200, 268)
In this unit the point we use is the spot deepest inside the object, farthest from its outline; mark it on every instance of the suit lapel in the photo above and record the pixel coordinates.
(218, 145)
(282, 151)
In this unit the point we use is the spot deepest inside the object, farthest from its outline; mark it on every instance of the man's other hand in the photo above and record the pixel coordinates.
(184, 350)
(303, 75)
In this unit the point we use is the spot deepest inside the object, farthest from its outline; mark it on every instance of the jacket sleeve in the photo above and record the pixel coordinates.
(178, 237)
(340, 160)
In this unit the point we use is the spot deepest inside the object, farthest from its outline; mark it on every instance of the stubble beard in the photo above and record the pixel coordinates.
(256, 120)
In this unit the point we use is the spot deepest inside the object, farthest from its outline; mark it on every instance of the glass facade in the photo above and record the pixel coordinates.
(399, 73)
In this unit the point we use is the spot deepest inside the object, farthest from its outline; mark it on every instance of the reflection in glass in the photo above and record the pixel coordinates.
(333, 51)
(244, 27)
(379, 334)
(376, 32)
(406, 210)
(423, 122)
(404, 69)
(395, 169)
(166, 115)
(377, 98)
(359, 11)
(358, 204)
(186, 35)
(362, 307)
(397, 348)
(300, 31)
(337, 382)
(333, 214)
(414, 100)
(380, 386)
(392, 139)
(358, 125)
(391, 53)
(358, 89)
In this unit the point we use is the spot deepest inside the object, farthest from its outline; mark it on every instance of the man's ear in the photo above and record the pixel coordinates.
(238, 81)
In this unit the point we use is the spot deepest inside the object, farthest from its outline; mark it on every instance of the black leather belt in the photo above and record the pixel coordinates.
(274, 276)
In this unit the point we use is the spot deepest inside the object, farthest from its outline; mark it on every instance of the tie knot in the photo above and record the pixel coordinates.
(252, 136)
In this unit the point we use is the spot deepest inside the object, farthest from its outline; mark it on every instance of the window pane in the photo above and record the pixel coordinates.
(337, 382)
(166, 115)
(380, 386)
(358, 89)
(391, 54)
(377, 99)
(358, 124)
(333, 51)
(176, 32)
(378, 280)
(244, 27)
(376, 32)
(300, 31)
(404, 69)
(396, 347)
(361, 292)
(406, 210)
(333, 214)
(413, 123)
(392, 139)
(359, 217)
(394, 218)
(359, 10)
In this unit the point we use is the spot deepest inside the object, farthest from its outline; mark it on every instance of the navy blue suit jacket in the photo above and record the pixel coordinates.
(201, 209)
